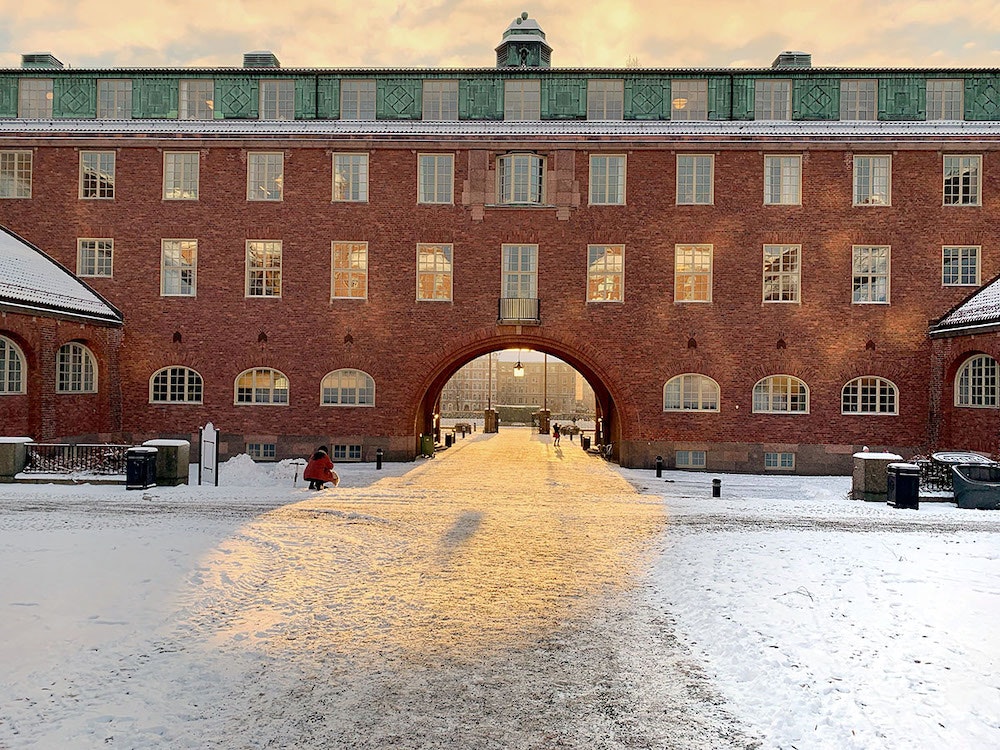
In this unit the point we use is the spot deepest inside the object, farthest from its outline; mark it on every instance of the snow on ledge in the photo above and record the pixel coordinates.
(16, 440)
(882, 456)
(168, 443)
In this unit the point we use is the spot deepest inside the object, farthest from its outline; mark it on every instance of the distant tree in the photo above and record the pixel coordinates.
(631, 61)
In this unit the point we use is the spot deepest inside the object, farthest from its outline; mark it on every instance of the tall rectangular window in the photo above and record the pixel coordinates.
(15, 174)
(782, 180)
(114, 98)
(782, 273)
(434, 272)
(178, 268)
(872, 180)
(263, 276)
(357, 100)
(97, 175)
(962, 176)
(871, 275)
(522, 99)
(180, 175)
(196, 99)
(440, 100)
(94, 257)
(859, 99)
(34, 98)
(695, 179)
(349, 264)
(960, 265)
(605, 273)
(265, 176)
(350, 177)
(605, 99)
(277, 100)
(607, 180)
(688, 100)
(772, 99)
(692, 273)
(435, 178)
(521, 178)
(945, 100)
(520, 271)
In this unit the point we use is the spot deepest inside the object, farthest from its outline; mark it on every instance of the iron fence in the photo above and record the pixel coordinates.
(85, 458)
(519, 310)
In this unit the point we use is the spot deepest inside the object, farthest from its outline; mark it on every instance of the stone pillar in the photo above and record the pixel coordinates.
(13, 456)
(172, 461)
(870, 480)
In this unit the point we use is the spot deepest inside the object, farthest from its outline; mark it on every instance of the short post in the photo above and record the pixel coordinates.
(659, 466)
(378, 458)
(716, 488)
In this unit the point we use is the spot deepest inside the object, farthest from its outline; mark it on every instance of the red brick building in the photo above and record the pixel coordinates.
(743, 264)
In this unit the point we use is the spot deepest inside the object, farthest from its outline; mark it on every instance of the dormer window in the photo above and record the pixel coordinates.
(522, 99)
(521, 179)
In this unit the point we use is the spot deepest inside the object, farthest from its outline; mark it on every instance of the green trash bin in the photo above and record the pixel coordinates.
(427, 444)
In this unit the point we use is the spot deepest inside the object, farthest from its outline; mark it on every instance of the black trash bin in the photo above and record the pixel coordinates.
(903, 485)
(140, 468)
(585, 442)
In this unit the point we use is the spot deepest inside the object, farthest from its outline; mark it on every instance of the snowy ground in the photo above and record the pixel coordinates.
(390, 613)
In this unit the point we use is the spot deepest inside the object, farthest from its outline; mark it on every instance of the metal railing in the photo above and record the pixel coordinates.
(85, 458)
(519, 310)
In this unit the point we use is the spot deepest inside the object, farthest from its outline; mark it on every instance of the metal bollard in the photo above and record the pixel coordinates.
(378, 458)
(659, 466)
(716, 488)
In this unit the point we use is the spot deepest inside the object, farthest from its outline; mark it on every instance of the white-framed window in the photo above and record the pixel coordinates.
(175, 385)
(76, 369)
(772, 99)
(277, 100)
(350, 178)
(607, 179)
(262, 451)
(15, 174)
(114, 98)
(347, 452)
(695, 179)
(440, 100)
(780, 394)
(436, 178)
(522, 99)
(782, 180)
(357, 99)
(690, 459)
(691, 392)
(95, 257)
(12, 368)
(349, 264)
(265, 176)
(196, 99)
(347, 387)
(263, 276)
(688, 99)
(962, 180)
(434, 272)
(945, 99)
(97, 175)
(605, 99)
(178, 268)
(859, 99)
(782, 273)
(181, 178)
(872, 181)
(976, 383)
(520, 271)
(960, 265)
(869, 394)
(779, 461)
(521, 178)
(870, 283)
(605, 273)
(692, 273)
(34, 98)
(261, 385)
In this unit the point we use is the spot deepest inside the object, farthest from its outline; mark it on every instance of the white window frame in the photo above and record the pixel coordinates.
(521, 179)
(435, 271)
(780, 390)
(772, 99)
(358, 385)
(358, 99)
(178, 268)
(607, 179)
(351, 271)
(97, 175)
(266, 176)
(95, 257)
(182, 175)
(689, 267)
(196, 99)
(872, 180)
(178, 384)
(350, 177)
(859, 99)
(782, 180)
(779, 461)
(782, 283)
(519, 279)
(954, 269)
(865, 275)
(270, 384)
(689, 99)
(276, 99)
(13, 368)
(76, 369)
(962, 192)
(263, 269)
(695, 173)
(15, 174)
(34, 99)
(436, 179)
(345, 452)
(114, 98)
(976, 383)
(864, 391)
(605, 273)
(439, 100)
(262, 451)
(605, 99)
(945, 99)
(691, 391)
(522, 99)
(690, 459)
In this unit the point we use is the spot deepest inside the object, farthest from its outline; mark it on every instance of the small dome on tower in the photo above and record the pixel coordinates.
(523, 45)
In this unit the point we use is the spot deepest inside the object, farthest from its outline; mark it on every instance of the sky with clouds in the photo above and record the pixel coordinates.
(448, 33)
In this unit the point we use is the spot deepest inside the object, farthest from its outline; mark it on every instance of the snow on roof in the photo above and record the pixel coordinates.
(32, 280)
(981, 310)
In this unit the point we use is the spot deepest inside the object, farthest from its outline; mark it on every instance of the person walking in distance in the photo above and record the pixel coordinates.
(319, 470)
(555, 434)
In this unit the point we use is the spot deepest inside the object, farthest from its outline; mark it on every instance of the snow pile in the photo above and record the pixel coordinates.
(243, 471)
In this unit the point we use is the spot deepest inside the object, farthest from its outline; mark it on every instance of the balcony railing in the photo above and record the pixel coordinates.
(519, 310)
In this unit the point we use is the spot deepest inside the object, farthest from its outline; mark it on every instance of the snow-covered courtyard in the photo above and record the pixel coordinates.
(506, 594)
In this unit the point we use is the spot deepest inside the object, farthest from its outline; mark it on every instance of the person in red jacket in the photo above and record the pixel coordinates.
(319, 470)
